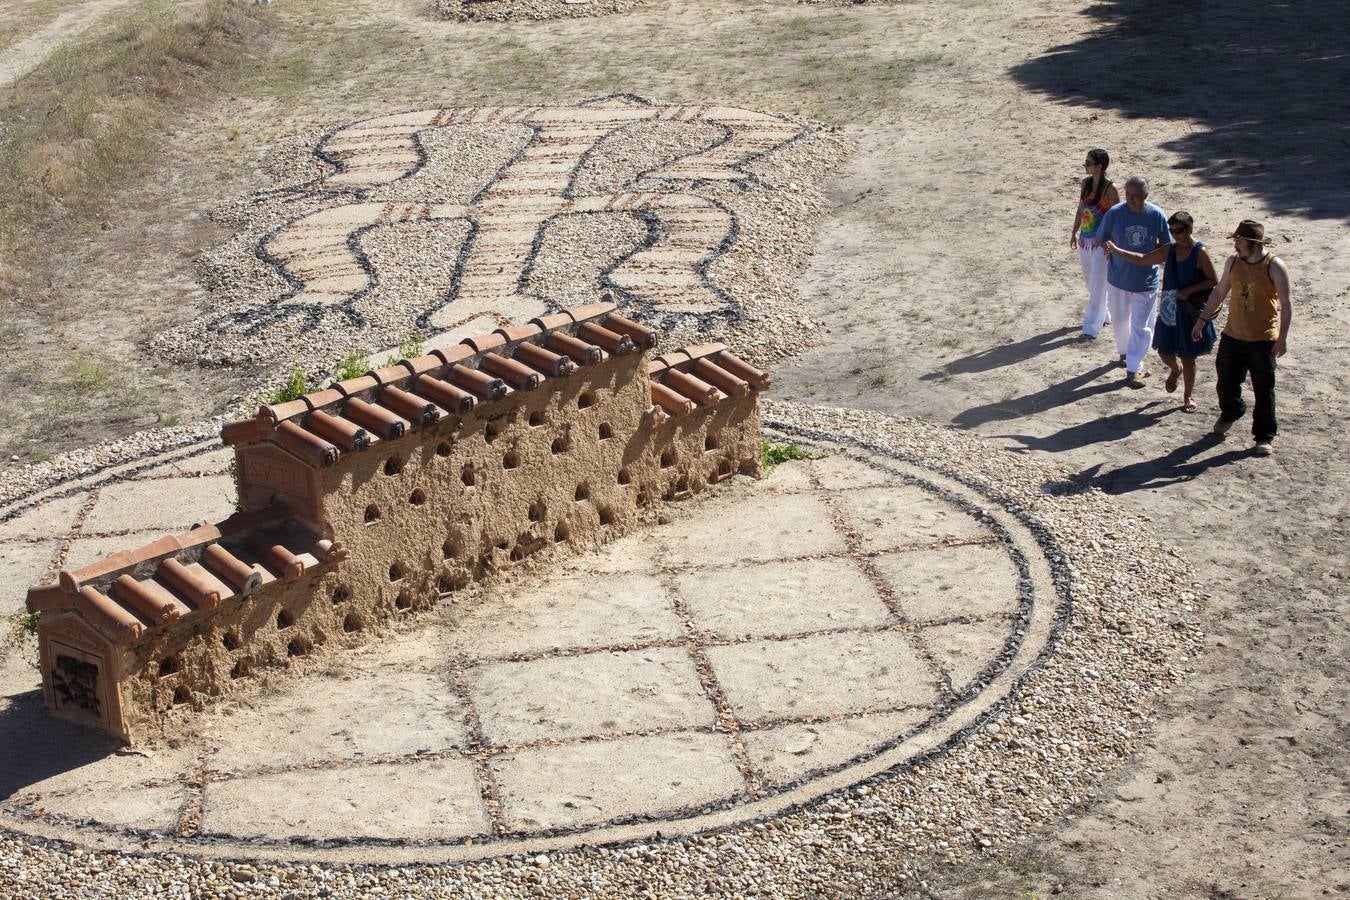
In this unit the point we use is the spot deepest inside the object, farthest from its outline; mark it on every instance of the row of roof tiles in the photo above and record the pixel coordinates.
(386, 403)
(188, 574)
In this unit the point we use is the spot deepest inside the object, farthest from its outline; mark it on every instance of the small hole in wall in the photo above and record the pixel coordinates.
(537, 418)
(351, 623)
(643, 498)
(231, 640)
(243, 668)
(709, 442)
(606, 432)
(585, 400)
(181, 696)
(449, 550)
(169, 665)
(491, 430)
(724, 468)
(511, 460)
(538, 511)
(299, 646)
(284, 620)
(446, 583)
(443, 448)
(341, 594)
(667, 458)
(319, 637)
(624, 477)
(682, 484)
(517, 553)
(583, 492)
(372, 513)
(396, 572)
(417, 497)
(606, 515)
(468, 474)
(393, 465)
(561, 533)
(403, 600)
(559, 445)
(502, 545)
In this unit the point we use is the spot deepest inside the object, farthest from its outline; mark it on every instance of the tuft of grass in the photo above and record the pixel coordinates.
(353, 365)
(408, 347)
(772, 455)
(295, 387)
(88, 119)
(20, 637)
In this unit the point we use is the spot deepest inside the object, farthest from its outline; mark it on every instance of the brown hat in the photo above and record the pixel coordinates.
(1251, 231)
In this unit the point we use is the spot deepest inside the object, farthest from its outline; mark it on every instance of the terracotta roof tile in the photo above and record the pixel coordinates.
(671, 402)
(134, 592)
(386, 403)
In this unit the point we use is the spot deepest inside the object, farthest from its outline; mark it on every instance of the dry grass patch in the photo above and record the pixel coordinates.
(89, 118)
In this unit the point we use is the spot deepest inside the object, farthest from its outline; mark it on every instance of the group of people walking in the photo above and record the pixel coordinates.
(1150, 278)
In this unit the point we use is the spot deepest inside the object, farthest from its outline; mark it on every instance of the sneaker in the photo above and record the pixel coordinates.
(1120, 364)
(1221, 427)
(1135, 379)
(1262, 448)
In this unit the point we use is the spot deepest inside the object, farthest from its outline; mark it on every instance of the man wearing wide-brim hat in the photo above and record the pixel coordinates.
(1256, 333)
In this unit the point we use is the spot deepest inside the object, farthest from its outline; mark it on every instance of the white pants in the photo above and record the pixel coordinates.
(1132, 316)
(1093, 262)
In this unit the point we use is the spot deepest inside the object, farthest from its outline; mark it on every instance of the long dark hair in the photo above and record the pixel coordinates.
(1103, 159)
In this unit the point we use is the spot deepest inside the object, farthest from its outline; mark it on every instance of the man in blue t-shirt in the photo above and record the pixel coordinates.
(1131, 290)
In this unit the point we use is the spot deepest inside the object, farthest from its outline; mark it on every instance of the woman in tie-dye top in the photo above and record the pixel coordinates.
(1095, 196)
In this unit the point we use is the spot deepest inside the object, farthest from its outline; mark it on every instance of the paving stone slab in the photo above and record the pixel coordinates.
(591, 694)
(150, 807)
(215, 462)
(782, 598)
(789, 752)
(971, 580)
(169, 504)
(841, 473)
(51, 519)
(821, 675)
(22, 564)
(576, 611)
(760, 526)
(581, 784)
(387, 712)
(901, 515)
(432, 799)
(964, 650)
(626, 556)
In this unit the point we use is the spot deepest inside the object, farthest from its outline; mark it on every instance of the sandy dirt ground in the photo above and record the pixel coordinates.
(21, 56)
(945, 272)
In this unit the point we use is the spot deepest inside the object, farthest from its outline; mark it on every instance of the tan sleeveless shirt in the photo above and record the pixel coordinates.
(1254, 304)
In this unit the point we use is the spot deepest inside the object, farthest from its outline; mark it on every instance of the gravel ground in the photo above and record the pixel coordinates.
(1129, 640)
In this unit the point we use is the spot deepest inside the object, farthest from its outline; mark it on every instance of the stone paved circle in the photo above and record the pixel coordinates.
(780, 640)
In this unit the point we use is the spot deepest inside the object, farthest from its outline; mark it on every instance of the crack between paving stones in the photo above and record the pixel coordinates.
(696, 645)
(473, 725)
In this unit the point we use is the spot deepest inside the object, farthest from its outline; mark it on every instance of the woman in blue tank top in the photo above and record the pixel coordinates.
(1188, 277)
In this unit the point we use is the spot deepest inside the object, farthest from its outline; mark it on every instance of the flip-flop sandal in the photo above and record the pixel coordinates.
(1171, 383)
(1189, 406)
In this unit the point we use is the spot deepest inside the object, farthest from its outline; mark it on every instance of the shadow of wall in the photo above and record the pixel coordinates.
(1268, 84)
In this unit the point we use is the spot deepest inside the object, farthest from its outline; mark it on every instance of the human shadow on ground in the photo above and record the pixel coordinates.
(1183, 463)
(1071, 390)
(37, 745)
(1098, 431)
(1267, 82)
(1004, 354)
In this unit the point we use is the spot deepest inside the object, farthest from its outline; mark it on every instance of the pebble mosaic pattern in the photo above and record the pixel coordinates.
(452, 221)
(713, 675)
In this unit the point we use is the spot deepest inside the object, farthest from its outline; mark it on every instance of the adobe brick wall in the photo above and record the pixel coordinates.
(369, 500)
